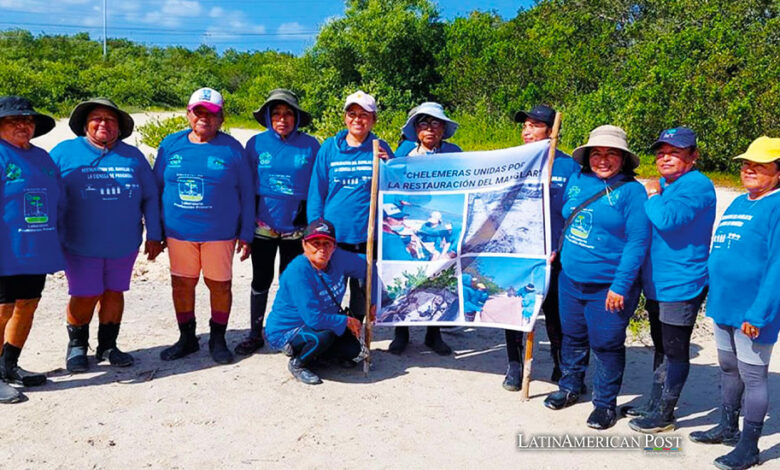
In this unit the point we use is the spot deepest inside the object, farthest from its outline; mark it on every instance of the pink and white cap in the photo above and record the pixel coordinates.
(362, 99)
(208, 98)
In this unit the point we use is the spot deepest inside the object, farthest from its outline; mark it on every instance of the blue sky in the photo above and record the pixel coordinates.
(284, 25)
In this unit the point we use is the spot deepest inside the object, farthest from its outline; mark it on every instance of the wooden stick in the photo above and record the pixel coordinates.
(525, 392)
(370, 255)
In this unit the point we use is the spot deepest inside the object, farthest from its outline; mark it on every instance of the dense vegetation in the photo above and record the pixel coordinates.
(713, 65)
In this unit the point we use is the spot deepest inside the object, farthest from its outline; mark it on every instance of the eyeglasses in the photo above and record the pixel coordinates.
(354, 115)
(430, 124)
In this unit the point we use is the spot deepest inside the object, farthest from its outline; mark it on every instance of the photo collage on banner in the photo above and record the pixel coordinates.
(464, 238)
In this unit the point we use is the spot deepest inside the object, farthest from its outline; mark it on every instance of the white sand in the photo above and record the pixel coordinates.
(411, 411)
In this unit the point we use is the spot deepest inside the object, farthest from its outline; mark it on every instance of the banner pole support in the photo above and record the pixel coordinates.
(525, 392)
(367, 325)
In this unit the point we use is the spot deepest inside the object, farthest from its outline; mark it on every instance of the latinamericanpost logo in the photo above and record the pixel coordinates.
(650, 444)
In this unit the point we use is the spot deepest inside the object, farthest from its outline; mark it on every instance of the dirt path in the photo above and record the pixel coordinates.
(411, 411)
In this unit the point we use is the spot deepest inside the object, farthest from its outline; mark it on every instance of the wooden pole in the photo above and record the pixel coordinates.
(529, 337)
(370, 255)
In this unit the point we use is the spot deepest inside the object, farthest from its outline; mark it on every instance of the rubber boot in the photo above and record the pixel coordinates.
(659, 420)
(745, 454)
(652, 403)
(107, 349)
(76, 358)
(254, 340)
(434, 341)
(400, 340)
(301, 373)
(186, 345)
(217, 345)
(555, 352)
(10, 371)
(726, 432)
(514, 376)
(8, 394)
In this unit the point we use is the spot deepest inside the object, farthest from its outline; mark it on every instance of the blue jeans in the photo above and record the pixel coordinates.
(586, 324)
(309, 344)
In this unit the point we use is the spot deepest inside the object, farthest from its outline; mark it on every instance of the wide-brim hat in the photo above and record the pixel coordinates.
(18, 106)
(281, 95)
(78, 117)
(434, 110)
(606, 136)
(762, 150)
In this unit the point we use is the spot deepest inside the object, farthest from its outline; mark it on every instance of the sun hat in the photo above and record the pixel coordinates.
(78, 117)
(435, 217)
(362, 99)
(680, 137)
(18, 106)
(208, 98)
(540, 112)
(281, 95)
(319, 228)
(762, 150)
(434, 110)
(606, 136)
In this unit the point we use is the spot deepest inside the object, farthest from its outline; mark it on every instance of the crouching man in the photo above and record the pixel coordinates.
(306, 318)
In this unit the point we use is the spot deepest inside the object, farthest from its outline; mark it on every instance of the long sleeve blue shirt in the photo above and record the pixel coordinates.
(106, 194)
(681, 217)
(303, 299)
(207, 189)
(744, 266)
(283, 173)
(30, 191)
(340, 189)
(564, 167)
(607, 241)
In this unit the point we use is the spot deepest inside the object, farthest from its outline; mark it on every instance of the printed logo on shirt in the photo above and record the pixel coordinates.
(264, 160)
(300, 160)
(13, 172)
(580, 228)
(574, 191)
(36, 206)
(174, 160)
(190, 188)
(281, 184)
(216, 163)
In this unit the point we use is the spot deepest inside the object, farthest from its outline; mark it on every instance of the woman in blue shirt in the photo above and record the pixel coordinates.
(744, 305)
(605, 242)
(109, 189)
(282, 158)
(425, 133)
(30, 191)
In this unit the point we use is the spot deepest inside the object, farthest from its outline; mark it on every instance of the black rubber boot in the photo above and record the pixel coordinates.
(76, 358)
(652, 403)
(8, 394)
(107, 349)
(10, 371)
(301, 373)
(400, 340)
(555, 352)
(726, 432)
(602, 418)
(434, 341)
(513, 380)
(186, 345)
(745, 454)
(254, 341)
(659, 420)
(217, 345)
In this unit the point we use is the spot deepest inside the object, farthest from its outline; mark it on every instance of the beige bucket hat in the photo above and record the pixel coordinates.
(606, 136)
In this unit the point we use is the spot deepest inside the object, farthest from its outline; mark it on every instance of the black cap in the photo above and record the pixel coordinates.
(18, 106)
(539, 112)
(319, 228)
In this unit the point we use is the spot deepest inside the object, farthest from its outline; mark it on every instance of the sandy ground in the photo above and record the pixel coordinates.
(411, 411)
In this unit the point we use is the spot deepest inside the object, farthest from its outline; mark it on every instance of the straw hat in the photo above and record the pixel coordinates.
(606, 136)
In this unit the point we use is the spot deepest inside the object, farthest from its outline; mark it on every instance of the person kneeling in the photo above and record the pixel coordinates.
(306, 319)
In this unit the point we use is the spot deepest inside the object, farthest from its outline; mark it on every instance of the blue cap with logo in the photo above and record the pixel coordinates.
(319, 228)
(680, 137)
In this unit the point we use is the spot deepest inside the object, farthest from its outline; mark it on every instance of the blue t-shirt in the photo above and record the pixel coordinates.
(681, 217)
(283, 175)
(340, 189)
(106, 194)
(607, 241)
(303, 299)
(407, 146)
(30, 191)
(744, 266)
(207, 192)
(564, 167)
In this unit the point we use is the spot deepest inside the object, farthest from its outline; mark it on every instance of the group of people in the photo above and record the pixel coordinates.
(84, 209)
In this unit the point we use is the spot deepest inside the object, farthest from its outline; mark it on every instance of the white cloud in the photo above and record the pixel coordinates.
(182, 8)
(290, 28)
(216, 12)
(229, 23)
